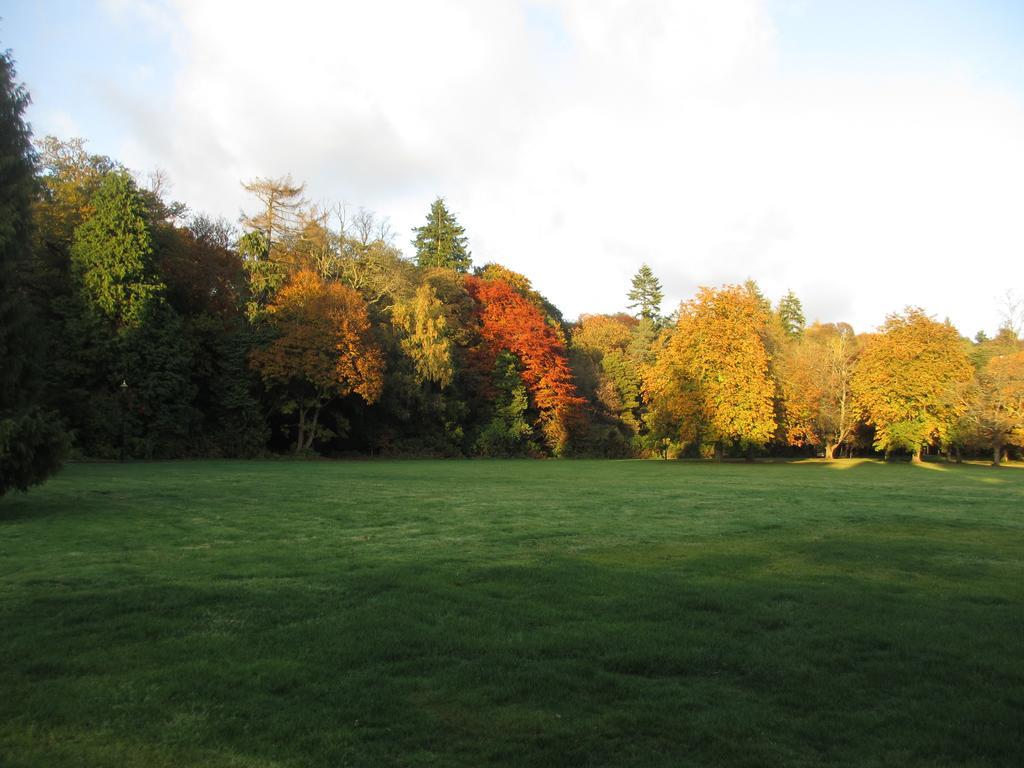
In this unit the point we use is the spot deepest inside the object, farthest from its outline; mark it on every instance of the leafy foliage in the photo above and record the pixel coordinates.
(906, 381)
(993, 415)
(603, 358)
(426, 341)
(510, 323)
(816, 374)
(711, 379)
(508, 433)
(323, 347)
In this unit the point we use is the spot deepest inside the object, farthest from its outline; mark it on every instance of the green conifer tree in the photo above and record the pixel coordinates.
(646, 294)
(32, 440)
(441, 242)
(112, 253)
(791, 315)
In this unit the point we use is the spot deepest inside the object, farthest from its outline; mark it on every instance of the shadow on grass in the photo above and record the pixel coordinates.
(718, 659)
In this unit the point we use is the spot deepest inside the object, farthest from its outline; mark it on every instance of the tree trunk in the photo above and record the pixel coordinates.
(915, 457)
(301, 437)
(997, 455)
(888, 454)
(312, 429)
(830, 451)
(719, 451)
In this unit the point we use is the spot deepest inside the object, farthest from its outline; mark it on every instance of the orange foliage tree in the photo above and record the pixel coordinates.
(907, 381)
(816, 372)
(511, 323)
(323, 349)
(711, 380)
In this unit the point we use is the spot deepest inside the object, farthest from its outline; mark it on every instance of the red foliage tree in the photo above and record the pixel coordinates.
(509, 322)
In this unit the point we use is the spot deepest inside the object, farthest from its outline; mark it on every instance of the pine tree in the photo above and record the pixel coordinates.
(441, 242)
(646, 294)
(791, 315)
(32, 441)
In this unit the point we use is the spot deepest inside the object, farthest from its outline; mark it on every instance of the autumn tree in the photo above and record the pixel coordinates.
(906, 380)
(994, 411)
(68, 178)
(202, 271)
(441, 241)
(713, 374)
(645, 294)
(494, 271)
(510, 323)
(281, 204)
(323, 349)
(816, 372)
(313, 244)
(32, 440)
(377, 270)
(266, 245)
(426, 339)
(601, 344)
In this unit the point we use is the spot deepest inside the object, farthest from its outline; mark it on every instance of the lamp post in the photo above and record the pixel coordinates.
(124, 417)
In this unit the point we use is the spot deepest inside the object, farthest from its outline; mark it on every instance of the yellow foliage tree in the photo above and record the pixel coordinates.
(995, 411)
(426, 340)
(602, 344)
(712, 379)
(907, 379)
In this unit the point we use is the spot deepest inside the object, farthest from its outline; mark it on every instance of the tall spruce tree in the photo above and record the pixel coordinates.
(441, 242)
(791, 315)
(646, 294)
(32, 440)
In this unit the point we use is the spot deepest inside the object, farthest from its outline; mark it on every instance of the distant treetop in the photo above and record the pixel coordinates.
(646, 294)
(441, 241)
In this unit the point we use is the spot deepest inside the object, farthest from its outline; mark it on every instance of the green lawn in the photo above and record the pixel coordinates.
(519, 613)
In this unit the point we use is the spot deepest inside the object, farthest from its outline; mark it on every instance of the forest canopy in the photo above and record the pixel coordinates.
(135, 327)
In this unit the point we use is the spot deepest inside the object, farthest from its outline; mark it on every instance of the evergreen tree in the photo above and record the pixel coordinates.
(155, 362)
(646, 294)
(441, 242)
(791, 315)
(750, 286)
(32, 441)
(112, 253)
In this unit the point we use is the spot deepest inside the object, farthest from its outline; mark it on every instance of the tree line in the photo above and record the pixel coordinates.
(131, 327)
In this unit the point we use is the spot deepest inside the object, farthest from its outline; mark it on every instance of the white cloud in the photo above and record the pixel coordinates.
(577, 139)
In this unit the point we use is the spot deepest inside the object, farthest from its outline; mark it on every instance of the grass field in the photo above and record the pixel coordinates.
(520, 613)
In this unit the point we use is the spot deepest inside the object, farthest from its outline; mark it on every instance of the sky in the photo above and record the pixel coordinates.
(866, 154)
